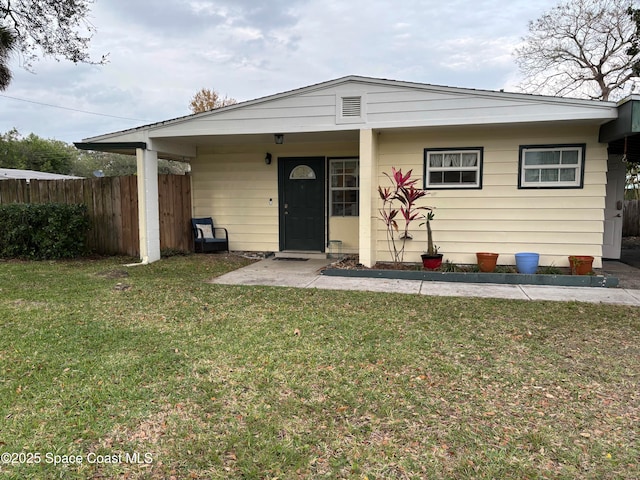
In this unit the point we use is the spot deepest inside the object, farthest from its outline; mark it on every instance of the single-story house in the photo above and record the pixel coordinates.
(294, 171)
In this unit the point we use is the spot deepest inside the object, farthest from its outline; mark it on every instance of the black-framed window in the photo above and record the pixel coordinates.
(453, 167)
(551, 166)
(344, 187)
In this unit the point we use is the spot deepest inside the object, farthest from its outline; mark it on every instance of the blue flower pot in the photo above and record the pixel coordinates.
(527, 262)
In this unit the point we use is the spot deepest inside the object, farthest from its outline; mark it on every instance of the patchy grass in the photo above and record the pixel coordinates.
(215, 381)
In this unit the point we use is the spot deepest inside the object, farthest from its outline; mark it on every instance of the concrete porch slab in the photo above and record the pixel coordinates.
(306, 274)
(273, 272)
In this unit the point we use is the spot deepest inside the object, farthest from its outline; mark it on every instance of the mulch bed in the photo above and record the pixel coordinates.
(351, 262)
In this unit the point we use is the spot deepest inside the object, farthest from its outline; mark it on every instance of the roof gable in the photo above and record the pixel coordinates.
(355, 102)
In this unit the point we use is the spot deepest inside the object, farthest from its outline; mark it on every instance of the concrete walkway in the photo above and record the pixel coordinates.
(306, 274)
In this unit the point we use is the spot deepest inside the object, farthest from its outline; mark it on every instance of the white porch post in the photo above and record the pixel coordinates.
(148, 205)
(368, 197)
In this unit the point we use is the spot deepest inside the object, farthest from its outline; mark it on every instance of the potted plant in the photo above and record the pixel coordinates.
(487, 261)
(527, 262)
(431, 259)
(581, 264)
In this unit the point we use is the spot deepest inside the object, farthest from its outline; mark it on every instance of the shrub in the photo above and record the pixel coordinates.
(43, 231)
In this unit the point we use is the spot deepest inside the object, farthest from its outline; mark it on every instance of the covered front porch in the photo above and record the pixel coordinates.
(240, 181)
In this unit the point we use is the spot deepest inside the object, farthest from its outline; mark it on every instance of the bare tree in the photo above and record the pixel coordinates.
(581, 48)
(206, 100)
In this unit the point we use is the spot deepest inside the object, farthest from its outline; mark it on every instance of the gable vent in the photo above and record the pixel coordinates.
(351, 106)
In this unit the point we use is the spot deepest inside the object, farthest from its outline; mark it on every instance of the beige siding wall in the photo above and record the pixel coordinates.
(234, 186)
(501, 218)
(345, 229)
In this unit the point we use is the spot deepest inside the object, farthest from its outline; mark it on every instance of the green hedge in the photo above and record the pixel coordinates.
(43, 231)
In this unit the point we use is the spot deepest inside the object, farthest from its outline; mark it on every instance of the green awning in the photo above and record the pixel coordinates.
(623, 133)
(124, 148)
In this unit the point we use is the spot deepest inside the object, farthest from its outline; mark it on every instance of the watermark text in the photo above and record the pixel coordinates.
(50, 458)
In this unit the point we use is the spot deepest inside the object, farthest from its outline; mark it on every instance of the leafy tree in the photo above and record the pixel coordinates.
(87, 163)
(46, 155)
(585, 48)
(205, 100)
(54, 28)
(55, 156)
(7, 46)
(9, 155)
(34, 153)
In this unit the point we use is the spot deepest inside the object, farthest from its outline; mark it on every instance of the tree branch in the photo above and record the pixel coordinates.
(580, 46)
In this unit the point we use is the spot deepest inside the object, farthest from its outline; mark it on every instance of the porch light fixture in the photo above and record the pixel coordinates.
(267, 159)
(279, 138)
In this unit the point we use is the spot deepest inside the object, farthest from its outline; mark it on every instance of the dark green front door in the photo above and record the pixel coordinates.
(302, 201)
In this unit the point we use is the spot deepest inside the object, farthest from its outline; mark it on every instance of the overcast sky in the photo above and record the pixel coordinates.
(161, 52)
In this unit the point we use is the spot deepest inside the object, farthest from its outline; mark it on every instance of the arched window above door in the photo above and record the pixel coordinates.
(302, 172)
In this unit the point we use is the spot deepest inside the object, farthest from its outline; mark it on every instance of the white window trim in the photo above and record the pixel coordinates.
(579, 167)
(332, 189)
(478, 168)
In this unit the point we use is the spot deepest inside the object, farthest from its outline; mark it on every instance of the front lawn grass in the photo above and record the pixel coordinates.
(149, 372)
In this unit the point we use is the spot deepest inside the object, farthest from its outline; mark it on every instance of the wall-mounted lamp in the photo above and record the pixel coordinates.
(279, 138)
(267, 159)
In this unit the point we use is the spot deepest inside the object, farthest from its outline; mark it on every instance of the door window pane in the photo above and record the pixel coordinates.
(302, 172)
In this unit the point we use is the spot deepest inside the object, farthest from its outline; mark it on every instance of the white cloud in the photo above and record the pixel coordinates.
(162, 53)
(474, 55)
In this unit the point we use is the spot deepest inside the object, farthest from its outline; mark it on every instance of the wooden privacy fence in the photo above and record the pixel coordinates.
(113, 208)
(631, 219)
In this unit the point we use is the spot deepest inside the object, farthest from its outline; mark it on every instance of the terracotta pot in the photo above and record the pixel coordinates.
(487, 261)
(581, 264)
(431, 262)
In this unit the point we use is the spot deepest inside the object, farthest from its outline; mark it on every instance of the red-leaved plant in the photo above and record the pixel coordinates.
(399, 205)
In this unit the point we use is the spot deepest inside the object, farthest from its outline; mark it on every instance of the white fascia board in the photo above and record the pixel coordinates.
(160, 138)
(478, 92)
(490, 120)
(126, 136)
(117, 136)
(629, 99)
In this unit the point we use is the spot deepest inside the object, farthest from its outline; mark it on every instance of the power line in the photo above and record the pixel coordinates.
(71, 109)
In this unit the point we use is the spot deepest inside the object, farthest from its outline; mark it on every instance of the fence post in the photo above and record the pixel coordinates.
(631, 218)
